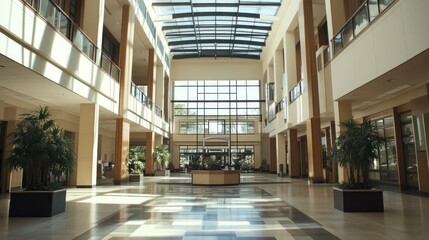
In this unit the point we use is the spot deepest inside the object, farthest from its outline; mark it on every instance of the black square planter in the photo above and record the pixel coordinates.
(365, 200)
(37, 203)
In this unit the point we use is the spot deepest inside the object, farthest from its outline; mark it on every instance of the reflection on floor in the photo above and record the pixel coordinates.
(188, 212)
(171, 208)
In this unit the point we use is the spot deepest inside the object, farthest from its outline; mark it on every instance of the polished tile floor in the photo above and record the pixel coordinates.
(266, 207)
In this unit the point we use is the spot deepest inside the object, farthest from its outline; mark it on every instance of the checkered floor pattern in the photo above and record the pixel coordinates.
(185, 212)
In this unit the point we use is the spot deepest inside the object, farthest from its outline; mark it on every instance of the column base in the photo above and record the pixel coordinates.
(85, 186)
(315, 180)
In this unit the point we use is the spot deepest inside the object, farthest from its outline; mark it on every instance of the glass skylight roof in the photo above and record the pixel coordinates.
(216, 28)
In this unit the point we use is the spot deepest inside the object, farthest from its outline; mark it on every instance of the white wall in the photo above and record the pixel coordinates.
(28, 40)
(397, 36)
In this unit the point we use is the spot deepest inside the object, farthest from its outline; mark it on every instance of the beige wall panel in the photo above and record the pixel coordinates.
(289, 21)
(414, 15)
(216, 70)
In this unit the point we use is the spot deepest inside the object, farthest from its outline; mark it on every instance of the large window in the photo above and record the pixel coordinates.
(217, 98)
(385, 168)
(217, 127)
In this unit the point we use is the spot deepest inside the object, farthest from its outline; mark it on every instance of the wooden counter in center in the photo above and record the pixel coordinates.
(215, 177)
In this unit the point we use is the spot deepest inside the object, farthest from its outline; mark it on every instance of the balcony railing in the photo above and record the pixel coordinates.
(367, 13)
(281, 105)
(110, 67)
(158, 111)
(297, 91)
(272, 112)
(327, 56)
(140, 96)
(55, 16)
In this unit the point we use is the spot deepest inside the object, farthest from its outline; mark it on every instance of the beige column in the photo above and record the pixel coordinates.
(93, 20)
(159, 82)
(335, 15)
(292, 145)
(278, 75)
(151, 75)
(158, 140)
(290, 63)
(126, 57)
(281, 152)
(150, 136)
(308, 56)
(342, 112)
(122, 138)
(88, 145)
(167, 95)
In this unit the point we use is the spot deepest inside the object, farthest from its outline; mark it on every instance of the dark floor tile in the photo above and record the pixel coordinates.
(271, 214)
(260, 222)
(211, 233)
(319, 234)
(198, 208)
(256, 238)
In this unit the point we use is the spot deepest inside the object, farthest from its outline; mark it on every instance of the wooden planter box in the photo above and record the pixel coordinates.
(215, 177)
(37, 203)
(353, 200)
(135, 177)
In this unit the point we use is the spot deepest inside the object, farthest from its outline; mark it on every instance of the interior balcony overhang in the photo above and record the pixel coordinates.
(35, 53)
(397, 86)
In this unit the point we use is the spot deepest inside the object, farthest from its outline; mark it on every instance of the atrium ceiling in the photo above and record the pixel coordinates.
(216, 28)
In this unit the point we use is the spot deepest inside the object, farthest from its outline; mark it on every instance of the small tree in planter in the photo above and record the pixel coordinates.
(136, 158)
(43, 152)
(161, 157)
(355, 150)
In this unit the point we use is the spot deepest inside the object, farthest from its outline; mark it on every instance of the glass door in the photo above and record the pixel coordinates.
(409, 150)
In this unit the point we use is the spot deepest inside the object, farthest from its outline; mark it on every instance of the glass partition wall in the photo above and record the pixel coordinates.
(218, 113)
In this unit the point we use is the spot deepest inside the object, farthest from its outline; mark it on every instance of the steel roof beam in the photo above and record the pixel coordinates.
(214, 41)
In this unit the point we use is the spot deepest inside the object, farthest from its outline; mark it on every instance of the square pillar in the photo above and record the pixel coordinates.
(314, 149)
(281, 152)
(342, 112)
(88, 146)
(122, 146)
(292, 145)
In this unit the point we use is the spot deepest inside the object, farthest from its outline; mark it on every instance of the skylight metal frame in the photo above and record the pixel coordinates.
(216, 28)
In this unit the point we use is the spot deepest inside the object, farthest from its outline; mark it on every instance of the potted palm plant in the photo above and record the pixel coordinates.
(355, 150)
(43, 152)
(161, 159)
(136, 158)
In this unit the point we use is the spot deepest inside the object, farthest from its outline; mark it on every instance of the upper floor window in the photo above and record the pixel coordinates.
(217, 98)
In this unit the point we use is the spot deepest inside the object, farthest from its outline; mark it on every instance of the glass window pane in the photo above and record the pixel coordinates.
(180, 93)
(373, 9)
(361, 20)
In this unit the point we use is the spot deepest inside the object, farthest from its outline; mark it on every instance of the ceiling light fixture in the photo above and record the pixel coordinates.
(2, 66)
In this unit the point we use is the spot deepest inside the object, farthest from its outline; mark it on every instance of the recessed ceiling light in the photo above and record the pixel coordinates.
(2, 66)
